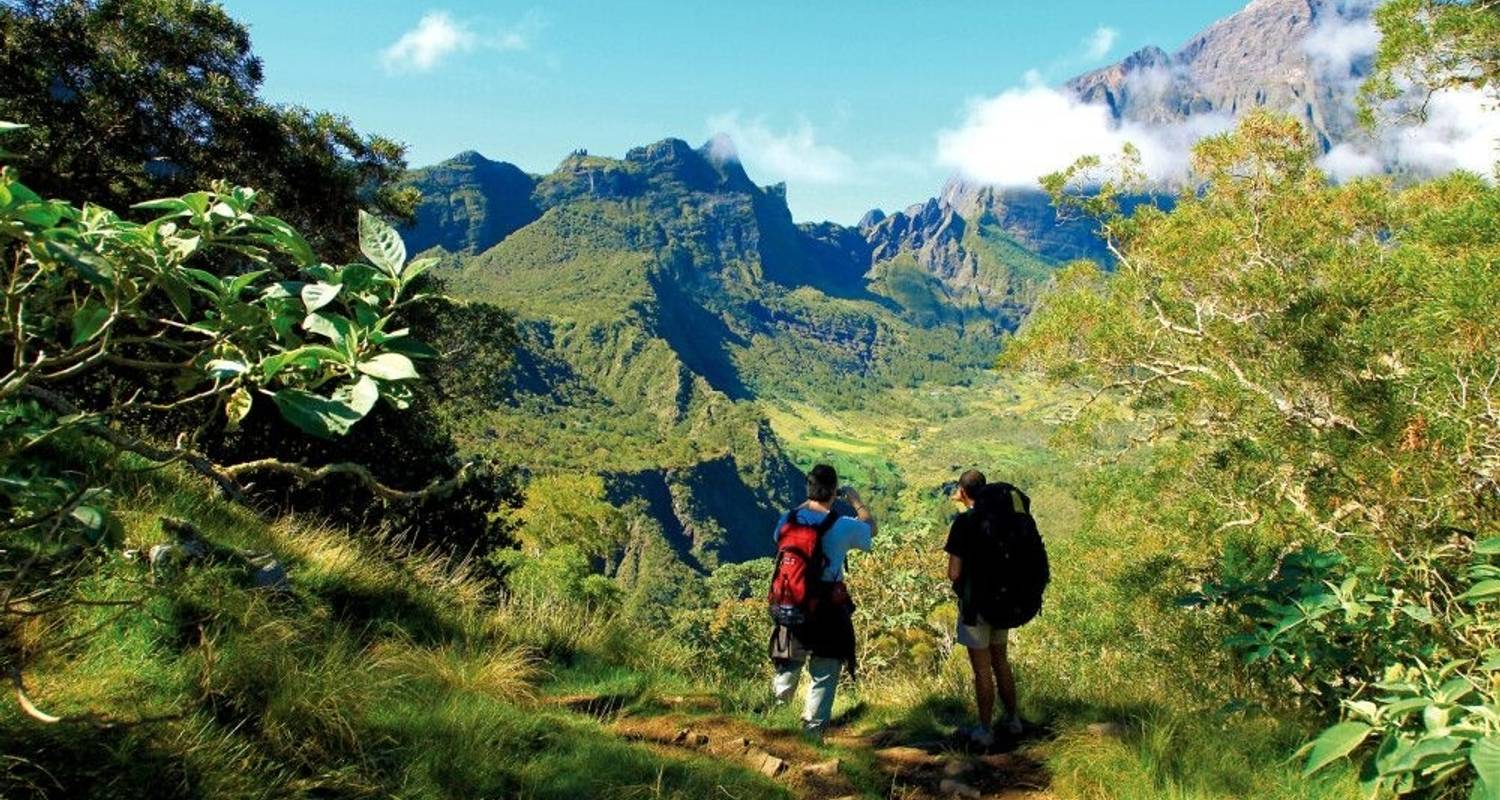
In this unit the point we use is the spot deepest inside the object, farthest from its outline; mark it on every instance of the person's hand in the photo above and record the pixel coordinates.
(853, 497)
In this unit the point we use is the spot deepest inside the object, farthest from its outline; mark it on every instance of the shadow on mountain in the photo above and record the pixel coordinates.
(699, 337)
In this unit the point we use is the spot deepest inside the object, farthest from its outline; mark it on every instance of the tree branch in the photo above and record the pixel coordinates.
(356, 471)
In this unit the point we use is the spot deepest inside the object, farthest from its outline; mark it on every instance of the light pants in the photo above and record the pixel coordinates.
(825, 681)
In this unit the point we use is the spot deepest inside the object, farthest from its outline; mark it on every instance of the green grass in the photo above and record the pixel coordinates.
(377, 675)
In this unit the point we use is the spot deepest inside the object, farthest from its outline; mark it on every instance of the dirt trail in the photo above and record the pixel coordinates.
(906, 770)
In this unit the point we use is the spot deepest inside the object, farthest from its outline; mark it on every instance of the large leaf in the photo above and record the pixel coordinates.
(1485, 756)
(309, 356)
(237, 407)
(290, 241)
(381, 244)
(87, 263)
(93, 520)
(320, 416)
(1335, 743)
(389, 367)
(1484, 590)
(241, 282)
(224, 368)
(360, 395)
(1488, 547)
(317, 295)
(332, 327)
(87, 321)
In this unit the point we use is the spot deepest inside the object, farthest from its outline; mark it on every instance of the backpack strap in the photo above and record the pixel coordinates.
(827, 524)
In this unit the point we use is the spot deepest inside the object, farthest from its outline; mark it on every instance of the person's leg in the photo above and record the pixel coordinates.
(984, 683)
(784, 684)
(825, 681)
(1003, 676)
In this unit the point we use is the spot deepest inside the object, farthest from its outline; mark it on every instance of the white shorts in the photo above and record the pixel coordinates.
(981, 634)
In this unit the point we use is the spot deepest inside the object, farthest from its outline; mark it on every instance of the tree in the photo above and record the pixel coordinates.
(569, 509)
(1431, 46)
(129, 100)
(106, 320)
(1316, 382)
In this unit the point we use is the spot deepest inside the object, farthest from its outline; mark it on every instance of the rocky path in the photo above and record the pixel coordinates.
(852, 766)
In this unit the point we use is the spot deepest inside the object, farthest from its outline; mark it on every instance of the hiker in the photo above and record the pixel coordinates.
(810, 606)
(998, 567)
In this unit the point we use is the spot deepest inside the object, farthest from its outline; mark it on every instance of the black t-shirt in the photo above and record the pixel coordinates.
(961, 534)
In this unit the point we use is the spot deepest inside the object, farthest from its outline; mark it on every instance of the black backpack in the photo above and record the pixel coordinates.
(1005, 572)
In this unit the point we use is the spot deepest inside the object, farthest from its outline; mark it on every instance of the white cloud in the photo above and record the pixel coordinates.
(1347, 160)
(793, 155)
(1100, 42)
(1461, 131)
(438, 36)
(1338, 40)
(420, 49)
(1018, 136)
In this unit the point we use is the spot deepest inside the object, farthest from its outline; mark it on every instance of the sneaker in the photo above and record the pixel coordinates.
(981, 735)
(1013, 726)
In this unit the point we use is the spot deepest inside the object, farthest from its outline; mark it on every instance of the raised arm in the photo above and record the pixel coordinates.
(861, 511)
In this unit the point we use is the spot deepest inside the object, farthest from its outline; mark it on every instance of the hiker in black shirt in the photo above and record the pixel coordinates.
(986, 643)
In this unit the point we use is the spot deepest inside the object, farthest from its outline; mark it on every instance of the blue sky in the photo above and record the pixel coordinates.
(844, 101)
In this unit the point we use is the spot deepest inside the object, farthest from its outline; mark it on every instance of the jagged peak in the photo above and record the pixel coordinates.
(720, 150)
(666, 150)
(1148, 56)
(470, 157)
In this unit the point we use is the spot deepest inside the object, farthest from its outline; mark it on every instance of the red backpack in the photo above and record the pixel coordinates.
(796, 581)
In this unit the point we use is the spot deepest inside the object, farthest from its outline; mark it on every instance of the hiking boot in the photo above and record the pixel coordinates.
(813, 731)
(981, 735)
(1013, 726)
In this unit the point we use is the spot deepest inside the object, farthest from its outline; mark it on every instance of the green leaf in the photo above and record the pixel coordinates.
(11, 127)
(1429, 752)
(178, 291)
(242, 282)
(381, 244)
(88, 320)
(1454, 690)
(330, 326)
(89, 264)
(1485, 756)
(173, 206)
(224, 368)
(94, 521)
(1335, 743)
(237, 407)
(416, 268)
(1488, 547)
(320, 416)
(1401, 708)
(308, 355)
(1479, 592)
(317, 295)
(389, 367)
(1417, 613)
(359, 395)
(289, 240)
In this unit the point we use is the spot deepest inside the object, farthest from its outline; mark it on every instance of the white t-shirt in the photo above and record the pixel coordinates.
(846, 534)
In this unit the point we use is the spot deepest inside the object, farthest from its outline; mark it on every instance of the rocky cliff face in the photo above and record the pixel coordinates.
(1296, 56)
(1303, 57)
(469, 203)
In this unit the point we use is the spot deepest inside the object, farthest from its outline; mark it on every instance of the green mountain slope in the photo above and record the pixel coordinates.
(469, 203)
(659, 297)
